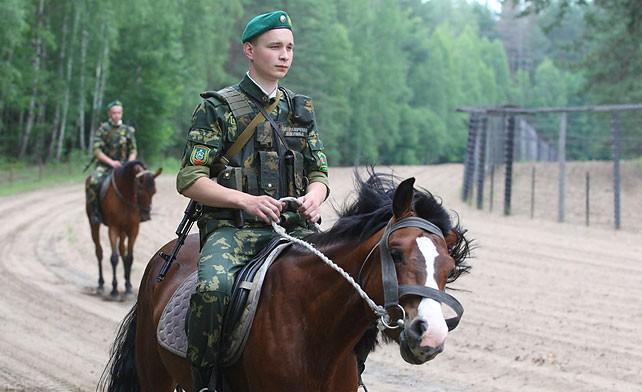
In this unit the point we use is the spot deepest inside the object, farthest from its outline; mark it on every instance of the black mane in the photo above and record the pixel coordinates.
(373, 209)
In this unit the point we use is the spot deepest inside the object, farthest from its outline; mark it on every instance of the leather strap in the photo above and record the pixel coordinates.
(388, 272)
(275, 126)
(248, 131)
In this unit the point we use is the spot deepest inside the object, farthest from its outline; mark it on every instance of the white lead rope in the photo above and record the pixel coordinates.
(380, 311)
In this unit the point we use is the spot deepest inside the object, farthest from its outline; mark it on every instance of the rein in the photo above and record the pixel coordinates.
(133, 204)
(392, 290)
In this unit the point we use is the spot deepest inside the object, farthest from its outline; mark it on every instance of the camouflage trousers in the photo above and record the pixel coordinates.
(223, 255)
(92, 191)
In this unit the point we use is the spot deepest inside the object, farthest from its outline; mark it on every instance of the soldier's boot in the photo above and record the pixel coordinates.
(204, 379)
(93, 206)
(95, 216)
(204, 324)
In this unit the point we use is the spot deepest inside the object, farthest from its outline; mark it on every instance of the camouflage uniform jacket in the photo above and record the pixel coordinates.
(214, 129)
(115, 141)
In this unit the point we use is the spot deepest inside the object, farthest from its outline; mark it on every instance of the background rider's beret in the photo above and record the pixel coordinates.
(264, 22)
(114, 103)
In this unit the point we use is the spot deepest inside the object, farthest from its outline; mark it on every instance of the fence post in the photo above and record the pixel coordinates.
(481, 162)
(588, 193)
(562, 167)
(533, 192)
(616, 168)
(508, 157)
(469, 159)
(492, 188)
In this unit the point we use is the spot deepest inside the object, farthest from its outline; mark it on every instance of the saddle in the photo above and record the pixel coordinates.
(238, 316)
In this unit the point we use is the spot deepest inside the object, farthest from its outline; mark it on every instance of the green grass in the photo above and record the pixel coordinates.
(18, 177)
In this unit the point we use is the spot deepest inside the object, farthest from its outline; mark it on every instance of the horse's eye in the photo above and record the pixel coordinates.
(397, 256)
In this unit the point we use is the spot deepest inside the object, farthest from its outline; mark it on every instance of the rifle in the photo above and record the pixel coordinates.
(89, 164)
(191, 215)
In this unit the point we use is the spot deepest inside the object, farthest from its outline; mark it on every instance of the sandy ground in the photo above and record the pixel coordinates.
(548, 306)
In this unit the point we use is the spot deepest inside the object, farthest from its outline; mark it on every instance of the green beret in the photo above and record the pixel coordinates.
(264, 22)
(114, 103)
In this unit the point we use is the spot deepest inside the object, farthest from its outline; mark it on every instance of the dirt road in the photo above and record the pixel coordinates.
(548, 306)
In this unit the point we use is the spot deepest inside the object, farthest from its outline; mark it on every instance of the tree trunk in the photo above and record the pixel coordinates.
(99, 89)
(61, 62)
(81, 89)
(38, 46)
(41, 125)
(65, 103)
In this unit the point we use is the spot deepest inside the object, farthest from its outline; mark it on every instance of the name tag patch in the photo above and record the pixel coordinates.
(294, 131)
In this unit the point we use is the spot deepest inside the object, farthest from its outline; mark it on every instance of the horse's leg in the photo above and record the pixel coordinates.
(95, 236)
(113, 240)
(128, 259)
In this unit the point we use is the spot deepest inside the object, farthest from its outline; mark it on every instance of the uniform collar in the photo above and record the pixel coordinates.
(250, 87)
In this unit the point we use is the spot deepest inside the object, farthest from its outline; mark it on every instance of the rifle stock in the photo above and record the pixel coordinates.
(191, 214)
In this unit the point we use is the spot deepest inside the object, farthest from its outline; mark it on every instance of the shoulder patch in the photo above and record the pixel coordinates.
(322, 161)
(199, 155)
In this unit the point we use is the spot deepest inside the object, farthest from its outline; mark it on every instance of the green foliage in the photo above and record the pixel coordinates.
(386, 76)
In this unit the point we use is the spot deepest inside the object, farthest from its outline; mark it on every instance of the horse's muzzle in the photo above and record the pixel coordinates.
(145, 215)
(410, 344)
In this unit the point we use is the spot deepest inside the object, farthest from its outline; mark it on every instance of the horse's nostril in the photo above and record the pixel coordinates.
(418, 327)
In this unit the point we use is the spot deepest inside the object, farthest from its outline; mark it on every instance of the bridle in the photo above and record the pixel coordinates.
(391, 288)
(392, 291)
(135, 203)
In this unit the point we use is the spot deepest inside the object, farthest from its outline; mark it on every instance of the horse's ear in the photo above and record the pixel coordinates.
(402, 202)
(158, 172)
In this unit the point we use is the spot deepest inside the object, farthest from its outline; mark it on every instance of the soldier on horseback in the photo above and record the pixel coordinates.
(114, 144)
(249, 145)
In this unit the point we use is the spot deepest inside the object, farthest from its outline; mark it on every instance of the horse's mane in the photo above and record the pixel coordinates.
(372, 210)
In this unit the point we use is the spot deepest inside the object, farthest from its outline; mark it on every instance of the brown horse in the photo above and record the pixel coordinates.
(312, 329)
(127, 201)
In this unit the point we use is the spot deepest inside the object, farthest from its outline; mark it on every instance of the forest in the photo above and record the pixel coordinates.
(386, 76)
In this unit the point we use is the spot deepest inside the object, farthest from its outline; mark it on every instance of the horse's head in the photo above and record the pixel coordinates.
(417, 260)
(145, 185)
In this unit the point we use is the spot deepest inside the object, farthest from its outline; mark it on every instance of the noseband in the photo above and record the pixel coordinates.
(392, 291)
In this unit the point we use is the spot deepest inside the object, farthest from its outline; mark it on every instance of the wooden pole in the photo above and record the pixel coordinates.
(615, 117)
(562, 167)
(469, 159)
(508, 156)
(533, 192)
(481, 162)
(588, 193)
(492, 187)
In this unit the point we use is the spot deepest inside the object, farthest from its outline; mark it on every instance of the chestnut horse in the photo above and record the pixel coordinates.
(313, 329)
(127, 201)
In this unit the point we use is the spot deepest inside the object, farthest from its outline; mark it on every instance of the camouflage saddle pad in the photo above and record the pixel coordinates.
(239, 315)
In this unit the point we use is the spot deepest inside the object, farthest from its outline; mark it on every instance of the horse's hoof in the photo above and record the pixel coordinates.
(100, 290)
(127, 296)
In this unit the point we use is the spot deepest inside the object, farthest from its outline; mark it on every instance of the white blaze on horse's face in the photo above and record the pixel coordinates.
(429, 309)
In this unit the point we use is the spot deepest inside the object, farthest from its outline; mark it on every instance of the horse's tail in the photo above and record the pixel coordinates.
(120, 373)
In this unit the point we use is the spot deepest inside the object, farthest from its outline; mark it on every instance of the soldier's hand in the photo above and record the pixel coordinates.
(310, 208)
(115, 164)
(265, 207)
